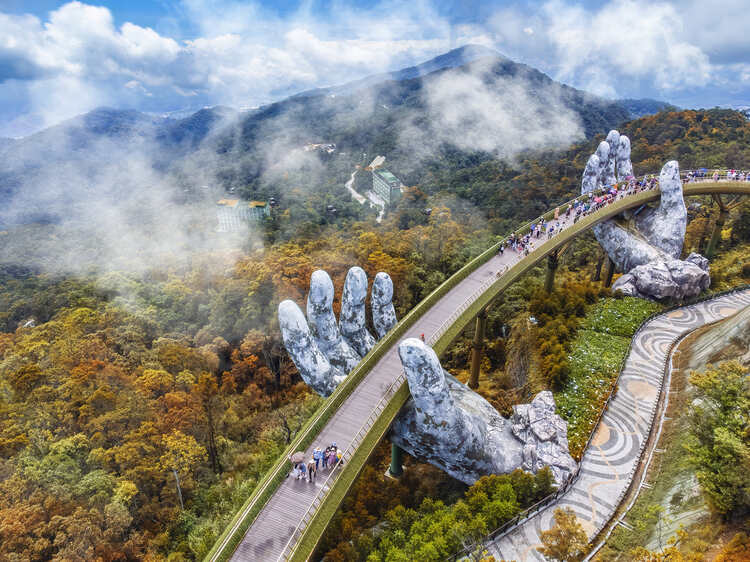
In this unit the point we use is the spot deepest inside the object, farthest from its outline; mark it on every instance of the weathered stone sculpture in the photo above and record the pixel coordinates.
(444, 422)
(454, 428)
(646, 246)
(383, 313)
(320, 350)
(312, 365)
(323, 324)
(352, 318)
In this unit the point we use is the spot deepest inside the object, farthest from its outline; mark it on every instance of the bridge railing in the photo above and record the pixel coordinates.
(345, 457)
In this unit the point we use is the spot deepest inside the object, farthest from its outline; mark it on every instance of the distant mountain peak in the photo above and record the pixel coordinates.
(452, 59)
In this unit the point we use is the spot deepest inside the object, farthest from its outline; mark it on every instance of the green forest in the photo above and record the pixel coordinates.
(139, 410)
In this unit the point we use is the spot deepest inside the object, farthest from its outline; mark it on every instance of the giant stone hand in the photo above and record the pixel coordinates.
(451, 426)
(323, 351)
(646, 245)
(445, 422)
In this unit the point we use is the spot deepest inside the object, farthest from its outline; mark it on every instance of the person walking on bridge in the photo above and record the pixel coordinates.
(311, 470)
(317, 455)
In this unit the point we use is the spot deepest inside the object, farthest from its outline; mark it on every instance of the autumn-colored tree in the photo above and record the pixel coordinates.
(181, 455)
(566, 540)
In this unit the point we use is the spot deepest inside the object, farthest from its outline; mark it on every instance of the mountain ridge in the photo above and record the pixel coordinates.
(251, 152)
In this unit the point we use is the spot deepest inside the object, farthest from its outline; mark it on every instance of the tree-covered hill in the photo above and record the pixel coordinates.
(468, 105)
(111, 383)
(507, 193)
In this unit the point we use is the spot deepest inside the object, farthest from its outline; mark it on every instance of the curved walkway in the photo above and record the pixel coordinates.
(296, 513)
(608, 466)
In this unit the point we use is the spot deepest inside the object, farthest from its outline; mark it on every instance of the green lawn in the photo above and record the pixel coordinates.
(596, 355)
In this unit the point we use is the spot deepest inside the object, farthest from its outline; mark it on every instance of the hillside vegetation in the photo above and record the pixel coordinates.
(139, 409)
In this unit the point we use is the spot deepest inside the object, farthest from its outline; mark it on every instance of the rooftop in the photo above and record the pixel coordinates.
(386, 175)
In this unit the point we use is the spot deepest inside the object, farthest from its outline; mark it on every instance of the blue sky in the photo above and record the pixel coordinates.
(59, 59)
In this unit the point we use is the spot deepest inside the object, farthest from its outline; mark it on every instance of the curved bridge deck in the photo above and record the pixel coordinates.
(296, 514)
(609, 464)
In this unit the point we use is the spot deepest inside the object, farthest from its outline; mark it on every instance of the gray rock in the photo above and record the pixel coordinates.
(654, 279)
(352, 323)
(626, 285)
(624, 165)
(323, 323)
(691, 279)
(383, 313)
(610, 176)
(452, 427)
(676, 279)
(311, 363)
(698, 260)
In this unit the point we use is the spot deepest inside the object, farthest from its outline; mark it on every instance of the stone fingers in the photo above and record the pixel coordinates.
(381, 301)
(352, 318)
(613, 140)
(624, 165)
(323, 325)
(427, 381)
(591, 175)
(311, 363)
(664, 226)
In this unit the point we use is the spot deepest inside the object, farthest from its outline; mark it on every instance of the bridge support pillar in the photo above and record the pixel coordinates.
(553, 261)
(477, 347)
(716, 234)
(610, 271)
(397, 461)
(598, 272)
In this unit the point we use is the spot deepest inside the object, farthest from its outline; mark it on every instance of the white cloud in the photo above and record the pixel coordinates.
(504, 116)
(244, 54)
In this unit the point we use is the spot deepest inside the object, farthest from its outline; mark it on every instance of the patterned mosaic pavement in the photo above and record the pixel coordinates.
(610, 462)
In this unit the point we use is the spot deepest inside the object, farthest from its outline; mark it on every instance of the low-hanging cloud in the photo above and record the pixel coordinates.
(500, 115)
(93, 204)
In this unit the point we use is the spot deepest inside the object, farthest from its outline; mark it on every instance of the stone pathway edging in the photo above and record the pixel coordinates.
(608, 466)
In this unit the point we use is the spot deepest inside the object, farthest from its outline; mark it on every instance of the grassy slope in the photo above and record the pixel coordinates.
(596, 354)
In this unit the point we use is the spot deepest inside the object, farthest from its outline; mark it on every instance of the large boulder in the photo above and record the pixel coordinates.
(673, 279)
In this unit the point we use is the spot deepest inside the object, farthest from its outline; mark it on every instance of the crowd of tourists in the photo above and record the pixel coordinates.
(546, 228)
(718, 175)
(320, 460)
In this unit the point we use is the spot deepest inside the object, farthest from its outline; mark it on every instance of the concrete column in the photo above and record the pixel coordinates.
(552, 262)
(609, 272)
(716, 234)
(397, 461)
(598, 273)
(477, 346)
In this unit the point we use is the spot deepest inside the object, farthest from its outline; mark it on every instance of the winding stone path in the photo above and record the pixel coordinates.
(608, 465)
